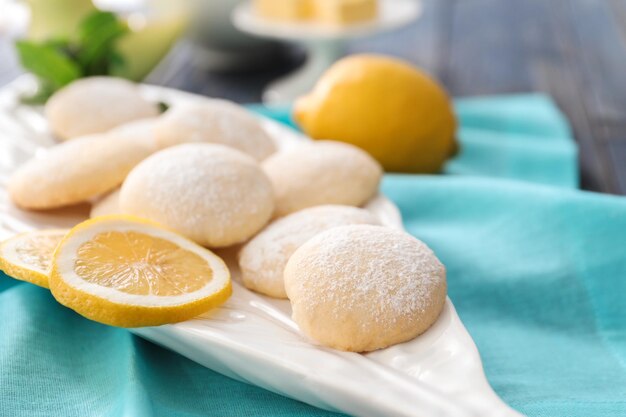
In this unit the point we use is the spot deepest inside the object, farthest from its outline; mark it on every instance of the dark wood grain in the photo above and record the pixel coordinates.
(185, 69)
(562, 79)
(573, 50)
(601, 61)
(425, 43)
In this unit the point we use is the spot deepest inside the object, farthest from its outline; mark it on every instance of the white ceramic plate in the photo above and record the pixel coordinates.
(253, 339)
(392, 14)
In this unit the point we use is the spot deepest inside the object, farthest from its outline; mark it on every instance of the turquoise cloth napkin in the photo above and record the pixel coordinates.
(537, 273)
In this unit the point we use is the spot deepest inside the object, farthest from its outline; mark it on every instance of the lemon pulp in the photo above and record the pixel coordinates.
(36, 250)
(136, 263)
(28, 256)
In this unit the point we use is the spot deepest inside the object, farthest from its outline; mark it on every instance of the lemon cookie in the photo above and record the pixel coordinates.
(213, 194)
(109, 204)
(79, 169)
(215, 121)
(362, 288)
(323, 172)
(263, 259)
(142, 130)
(96, 105)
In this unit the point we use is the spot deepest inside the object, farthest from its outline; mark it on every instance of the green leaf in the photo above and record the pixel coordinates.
(57, 62)
(57, 43)
(48, 62)
(97, 35)
(163, 106)
(117, 62)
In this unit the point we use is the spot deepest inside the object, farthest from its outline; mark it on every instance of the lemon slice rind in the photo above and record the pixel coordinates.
(111, 306)
(12, 264)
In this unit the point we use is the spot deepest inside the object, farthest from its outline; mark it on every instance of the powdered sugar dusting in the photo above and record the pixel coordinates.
(263, 259)
(322, 172)
(211, 193)
(383, 274)
(96, 105)
(82, 168)
(215, 121)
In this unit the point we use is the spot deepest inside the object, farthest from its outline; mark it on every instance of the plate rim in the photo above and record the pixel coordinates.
(159, 334)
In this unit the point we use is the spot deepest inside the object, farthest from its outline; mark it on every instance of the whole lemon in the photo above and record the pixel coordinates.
(386, 106)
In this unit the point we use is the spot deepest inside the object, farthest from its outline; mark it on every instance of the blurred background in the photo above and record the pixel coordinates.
(573, 50)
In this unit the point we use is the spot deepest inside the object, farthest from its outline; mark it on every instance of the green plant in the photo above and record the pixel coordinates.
(92, 51)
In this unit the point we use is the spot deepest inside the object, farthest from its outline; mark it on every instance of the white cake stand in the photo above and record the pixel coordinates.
(325, 43)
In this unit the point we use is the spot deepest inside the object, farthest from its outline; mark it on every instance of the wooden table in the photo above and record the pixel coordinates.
(574, 50)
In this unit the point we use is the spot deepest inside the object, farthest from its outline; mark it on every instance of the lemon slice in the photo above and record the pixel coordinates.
(27, 256)
(129, 272)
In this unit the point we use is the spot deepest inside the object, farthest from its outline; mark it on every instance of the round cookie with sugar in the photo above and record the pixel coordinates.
(96, 105)
(107, 205)
(362, 288)
(322, 172)
(215, 121)
(82, 168)
(263, 259)
(213, 194)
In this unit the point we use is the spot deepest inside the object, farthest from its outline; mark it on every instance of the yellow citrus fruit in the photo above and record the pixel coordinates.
(389, 108)
(128, 272)
(27, 256)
